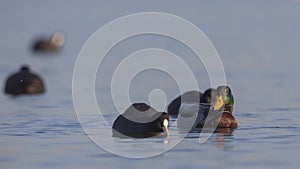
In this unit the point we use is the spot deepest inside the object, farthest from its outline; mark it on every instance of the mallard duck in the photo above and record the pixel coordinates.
(53, 44)
(194, 115)
(190, 97)
(24, 82)
(141, 121)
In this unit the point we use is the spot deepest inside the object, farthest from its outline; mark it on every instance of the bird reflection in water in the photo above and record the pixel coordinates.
(224, 138)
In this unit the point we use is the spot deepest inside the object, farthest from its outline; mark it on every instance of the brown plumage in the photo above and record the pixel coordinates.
(227, 120)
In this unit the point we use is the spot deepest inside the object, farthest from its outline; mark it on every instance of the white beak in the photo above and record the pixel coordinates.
(165, 126)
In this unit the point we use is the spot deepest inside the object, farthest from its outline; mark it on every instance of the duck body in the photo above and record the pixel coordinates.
(194, 116)
(43, 45)
(190, 97)
(141, 121)
(190, 114)
(24, 82)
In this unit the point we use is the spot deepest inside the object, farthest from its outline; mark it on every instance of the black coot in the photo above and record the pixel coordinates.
(141, 121)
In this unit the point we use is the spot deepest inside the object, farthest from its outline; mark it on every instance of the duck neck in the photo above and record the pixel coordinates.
(228, 108)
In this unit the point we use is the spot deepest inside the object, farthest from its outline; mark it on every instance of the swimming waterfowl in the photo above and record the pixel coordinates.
(190, 97)
(53, 44)
(141, 121)
(194, 115)
(24, 82)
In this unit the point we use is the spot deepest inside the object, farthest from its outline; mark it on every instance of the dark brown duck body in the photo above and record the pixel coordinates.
(24, 82)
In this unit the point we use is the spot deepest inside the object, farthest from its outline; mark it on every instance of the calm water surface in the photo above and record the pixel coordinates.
(258, 43)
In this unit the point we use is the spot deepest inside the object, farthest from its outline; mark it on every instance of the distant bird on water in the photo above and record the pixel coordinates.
(24, 82)
(52, 44)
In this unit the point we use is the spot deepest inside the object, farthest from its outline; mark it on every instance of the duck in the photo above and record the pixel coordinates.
(24, 82)
(53, 44)
(220, 111)
(141, 121)
(190, 97)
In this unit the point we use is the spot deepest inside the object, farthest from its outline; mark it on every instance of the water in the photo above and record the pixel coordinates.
(258, 43)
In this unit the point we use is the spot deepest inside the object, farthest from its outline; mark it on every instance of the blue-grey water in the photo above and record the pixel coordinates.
(258, 43)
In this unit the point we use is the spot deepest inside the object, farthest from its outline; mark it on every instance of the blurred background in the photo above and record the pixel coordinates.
(258, 43)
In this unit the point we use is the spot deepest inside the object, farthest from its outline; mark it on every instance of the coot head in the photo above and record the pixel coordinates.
(24, 68)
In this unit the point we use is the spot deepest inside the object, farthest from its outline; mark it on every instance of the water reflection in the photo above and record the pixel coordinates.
(222, 137)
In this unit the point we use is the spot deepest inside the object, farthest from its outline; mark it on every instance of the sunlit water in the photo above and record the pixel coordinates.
(259, 47)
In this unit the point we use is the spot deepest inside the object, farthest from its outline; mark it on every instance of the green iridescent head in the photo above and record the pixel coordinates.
(224, 99)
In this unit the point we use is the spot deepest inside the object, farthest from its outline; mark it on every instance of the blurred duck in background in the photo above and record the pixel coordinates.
(24, 82)
(53, 44)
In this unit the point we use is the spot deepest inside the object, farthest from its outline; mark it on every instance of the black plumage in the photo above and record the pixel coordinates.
(24, 82)
(141, 121)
